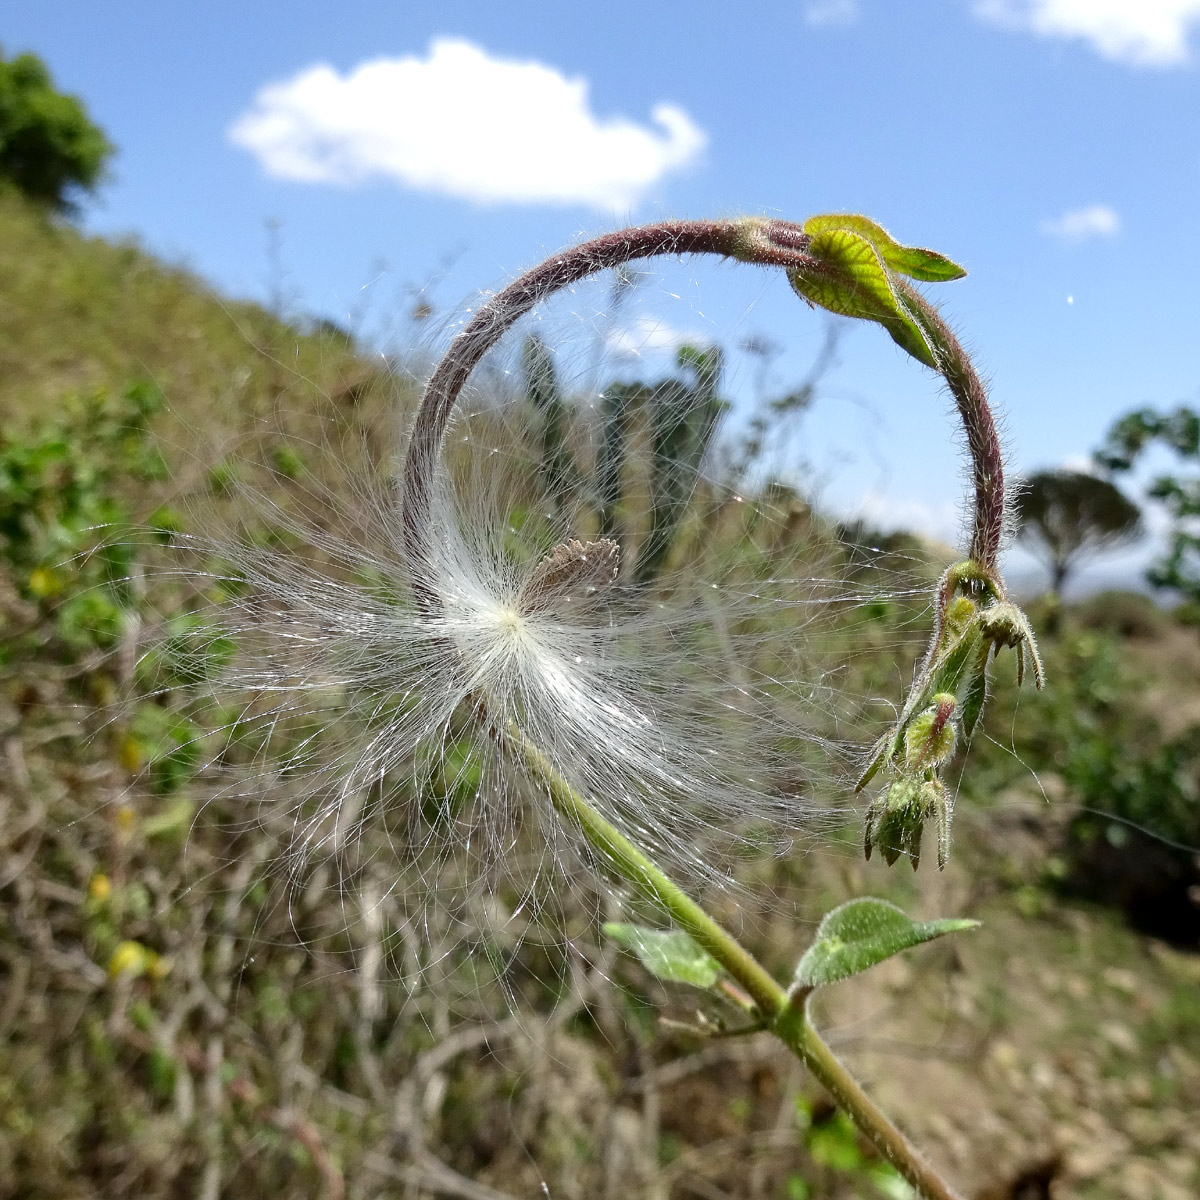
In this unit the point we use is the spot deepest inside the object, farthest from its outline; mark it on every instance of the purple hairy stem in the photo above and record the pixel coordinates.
(983, 439)
(763, 241)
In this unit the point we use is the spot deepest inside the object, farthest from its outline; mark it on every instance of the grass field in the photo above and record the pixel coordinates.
(189, 1007)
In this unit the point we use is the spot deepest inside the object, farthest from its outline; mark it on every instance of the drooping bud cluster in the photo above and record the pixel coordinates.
(974, 620)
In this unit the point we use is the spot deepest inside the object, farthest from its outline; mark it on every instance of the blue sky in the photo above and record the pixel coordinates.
(1051, 146)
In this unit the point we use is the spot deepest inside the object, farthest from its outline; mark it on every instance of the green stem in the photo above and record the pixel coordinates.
(630, 863)
(785, 1014)
(796, 1031)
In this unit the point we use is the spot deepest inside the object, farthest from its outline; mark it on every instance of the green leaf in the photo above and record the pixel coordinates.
(861, 933)
(976, 690)
(835, 1144)
(852, 281)
(926, 265)
(855, 283)
(888, 1182)
(671, 955)
(883, 749)
(954, 661)
(909, 334)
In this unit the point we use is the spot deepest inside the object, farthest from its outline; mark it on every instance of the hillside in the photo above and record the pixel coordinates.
(191, 1007)
(82, 313)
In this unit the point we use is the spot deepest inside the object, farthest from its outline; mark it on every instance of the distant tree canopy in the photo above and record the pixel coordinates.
(49, 148)
(1178, 431)
(1067, 515)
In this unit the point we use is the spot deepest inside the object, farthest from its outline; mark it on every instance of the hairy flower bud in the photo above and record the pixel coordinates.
(929, 740)
(959, 612)
(897, 818)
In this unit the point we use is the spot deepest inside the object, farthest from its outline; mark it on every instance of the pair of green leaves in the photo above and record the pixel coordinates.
(854, 275)
(852, 938)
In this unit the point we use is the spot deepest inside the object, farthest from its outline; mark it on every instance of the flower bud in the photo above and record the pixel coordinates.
(929, 739)
(959, 612)
(897, 818)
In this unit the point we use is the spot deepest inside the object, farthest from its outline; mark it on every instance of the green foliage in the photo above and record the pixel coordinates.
(1105, 746)
(91, 620)
(856, 262)
(456, 781)
(1111, 753)
(832, 1142)
(1179, 493)
(287, 461)
(163, 743)
(183, 656)
(1152, 788)
(1133, 783)
(975, 621)
(926, 266)
(1066, 515)
(668, 954)
(679, 415)
(85, 314)
(1133, 433)
(616, 409)
(49, 148)
(59, 505)
(853, 282)
(683, 418)
(861, 933)
(852, 938)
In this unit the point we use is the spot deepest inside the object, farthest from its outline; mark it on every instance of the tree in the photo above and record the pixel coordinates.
(1179, 568)
(49, 148)
(680, 414)
(1066, 515)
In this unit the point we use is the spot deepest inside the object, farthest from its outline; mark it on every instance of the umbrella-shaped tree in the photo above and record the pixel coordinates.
(1068, 515)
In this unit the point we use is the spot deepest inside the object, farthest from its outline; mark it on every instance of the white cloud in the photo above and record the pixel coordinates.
(831, 12)
(460, 122)
(1144, 33)
(1081, 224)
(648, 335)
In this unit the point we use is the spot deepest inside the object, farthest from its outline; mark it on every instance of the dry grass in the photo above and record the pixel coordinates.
(320, 1031)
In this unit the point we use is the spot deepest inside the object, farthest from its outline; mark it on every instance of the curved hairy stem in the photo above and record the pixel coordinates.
(983, 438)
(774, 243)
(739, 238)
(784, 1013)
